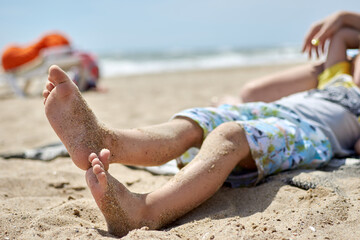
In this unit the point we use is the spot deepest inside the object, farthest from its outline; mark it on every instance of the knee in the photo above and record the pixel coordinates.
(249, 92)
(230, 131)
(230, 137)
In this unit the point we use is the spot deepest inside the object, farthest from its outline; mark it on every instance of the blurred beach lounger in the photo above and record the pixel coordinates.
(21, 65)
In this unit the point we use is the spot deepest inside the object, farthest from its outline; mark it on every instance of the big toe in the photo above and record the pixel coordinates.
(57, 75)
(60, 81)
(104, 157)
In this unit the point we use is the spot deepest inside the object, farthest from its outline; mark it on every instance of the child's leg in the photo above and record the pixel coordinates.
(222, 150)
(278, 85)
(82, 134)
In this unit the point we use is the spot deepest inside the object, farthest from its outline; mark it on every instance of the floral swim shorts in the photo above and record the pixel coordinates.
(279, 140)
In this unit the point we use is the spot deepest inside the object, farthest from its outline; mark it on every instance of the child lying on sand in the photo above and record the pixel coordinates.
(304, 77)
(303, 130)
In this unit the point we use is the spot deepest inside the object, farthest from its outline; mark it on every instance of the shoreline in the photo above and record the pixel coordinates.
(279, 66)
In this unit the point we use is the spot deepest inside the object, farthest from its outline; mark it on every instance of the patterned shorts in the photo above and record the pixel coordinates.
(279, 140)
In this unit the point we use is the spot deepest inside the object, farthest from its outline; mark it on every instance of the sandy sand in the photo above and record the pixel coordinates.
(50, 200)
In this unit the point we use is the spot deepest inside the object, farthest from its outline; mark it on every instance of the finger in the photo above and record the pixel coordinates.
(314, 29)
(308, 38)
(323, 35)
(306, 44)
(323, 48)
(306, 47)
(317, 52)
(310, 52)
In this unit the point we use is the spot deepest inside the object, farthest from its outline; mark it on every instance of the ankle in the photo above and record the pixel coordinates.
(147, 217)
(113, 143)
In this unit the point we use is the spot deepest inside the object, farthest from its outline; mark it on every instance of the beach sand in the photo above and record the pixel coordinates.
(50, 200)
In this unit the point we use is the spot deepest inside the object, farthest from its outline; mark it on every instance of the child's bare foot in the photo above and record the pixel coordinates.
(72, 119)
(122, 209)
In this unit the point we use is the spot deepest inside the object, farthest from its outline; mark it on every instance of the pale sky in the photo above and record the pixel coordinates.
(137, 25)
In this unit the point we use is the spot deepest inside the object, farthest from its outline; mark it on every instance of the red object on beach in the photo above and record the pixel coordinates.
(15, 56)
(90, 68)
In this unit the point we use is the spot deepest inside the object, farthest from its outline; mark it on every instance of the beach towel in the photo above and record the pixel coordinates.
(15, 56)
(51, 151)
(32, 61)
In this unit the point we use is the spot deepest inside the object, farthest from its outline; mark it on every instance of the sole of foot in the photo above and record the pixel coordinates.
(72, 119)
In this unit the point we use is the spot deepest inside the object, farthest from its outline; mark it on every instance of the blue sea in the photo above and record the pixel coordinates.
(133, 63)
(144, 62)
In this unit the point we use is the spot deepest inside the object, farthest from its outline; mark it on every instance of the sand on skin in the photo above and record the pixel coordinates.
(50, 200)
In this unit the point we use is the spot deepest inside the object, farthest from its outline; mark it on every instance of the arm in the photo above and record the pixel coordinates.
(280, 84)
(342, 40)
(351, 19)
(275, 86)
(326, 28)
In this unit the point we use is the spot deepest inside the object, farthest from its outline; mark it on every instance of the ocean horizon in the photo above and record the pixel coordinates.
(188, 35)
(133, 63)
(162, 61)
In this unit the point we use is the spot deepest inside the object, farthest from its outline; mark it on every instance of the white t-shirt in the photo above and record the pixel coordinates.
(334, 109)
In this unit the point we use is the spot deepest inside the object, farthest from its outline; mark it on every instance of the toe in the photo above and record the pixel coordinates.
(57, 75)
(49, 86)
(104, 158)
(97, 169)
(45, 93)
(92, 156)
(105, 152)
(96, 162)
(100, 175)
(102, 178)
(91, 179)
(96, 179)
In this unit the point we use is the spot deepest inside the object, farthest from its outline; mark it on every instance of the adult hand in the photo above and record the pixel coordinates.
(320, 32)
